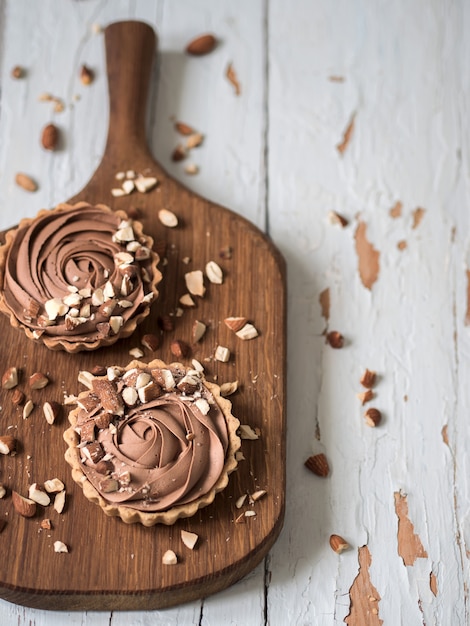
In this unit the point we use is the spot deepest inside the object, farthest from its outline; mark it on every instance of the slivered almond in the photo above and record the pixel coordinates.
(257, 495)
(198, 331)
(38, 380)
(195, 283)
(235, 323)
(183, 129)
(239, 502)
(24, 506)
(28, 409)
(214, 273)
(7, 444)
(145, 183)
(54, 485)
(222, 354)
(59, 546)
(169, 558)
(227, 389)
(189, 539)
(59, 501)
(187, 301)
(247, 432)
(151, 342)
(248, 331)
(10, 378)
(167, 218)
(51, 410)
(194, 140)
(38, 494)
(109, 398)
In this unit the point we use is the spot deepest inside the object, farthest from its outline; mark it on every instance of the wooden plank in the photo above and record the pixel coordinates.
(228, 551)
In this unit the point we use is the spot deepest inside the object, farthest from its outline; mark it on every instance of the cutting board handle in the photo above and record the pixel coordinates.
(130, 50)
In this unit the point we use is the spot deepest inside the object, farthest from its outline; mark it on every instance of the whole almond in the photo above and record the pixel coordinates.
(25, 182)
(86, 75)
(183, 129)
(201, 45)
(373, 417)
(50, 137)
(335, 339)
(338, 544)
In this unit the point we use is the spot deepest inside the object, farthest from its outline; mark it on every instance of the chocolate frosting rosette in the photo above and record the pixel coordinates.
(78, 277)
(152, 442)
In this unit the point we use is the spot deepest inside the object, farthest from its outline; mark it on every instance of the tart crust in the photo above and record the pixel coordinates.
(75, 344)
(150, 518)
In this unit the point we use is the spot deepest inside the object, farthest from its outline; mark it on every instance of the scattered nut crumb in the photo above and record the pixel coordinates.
(17, 72)
(189, 539)
(86, 75)
(167, 218)
(222, 354)
(169, 558)
(191, 169)
(336, 218)
(247, 432)
(59, 546)
(373, 417)
(335, 339)
(178, 154)
(28, 409)
(365, 396)
(183, 129)
(227, 389)
(368, 379)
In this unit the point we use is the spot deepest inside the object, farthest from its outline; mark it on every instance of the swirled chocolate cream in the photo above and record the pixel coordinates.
(78, 277)
(152, 442)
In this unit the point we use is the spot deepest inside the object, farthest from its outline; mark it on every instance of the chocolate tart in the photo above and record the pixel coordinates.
(151, 443)
(78, 277)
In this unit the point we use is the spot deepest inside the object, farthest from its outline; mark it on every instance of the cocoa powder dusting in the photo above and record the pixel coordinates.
(368, 257)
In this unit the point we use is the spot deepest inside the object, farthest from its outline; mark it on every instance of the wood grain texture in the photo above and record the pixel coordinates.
(119, 565)
(400, 70)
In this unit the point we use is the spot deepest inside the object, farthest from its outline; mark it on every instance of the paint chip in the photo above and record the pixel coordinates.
(410, 547)
(396, 210)
(341, 147)
(362, 609)
(368, 257)
(418, 215)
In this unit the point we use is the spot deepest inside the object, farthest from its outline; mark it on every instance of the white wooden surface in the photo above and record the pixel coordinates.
(271, 154)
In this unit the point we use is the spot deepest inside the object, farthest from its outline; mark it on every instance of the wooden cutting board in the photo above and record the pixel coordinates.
(111, 565)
